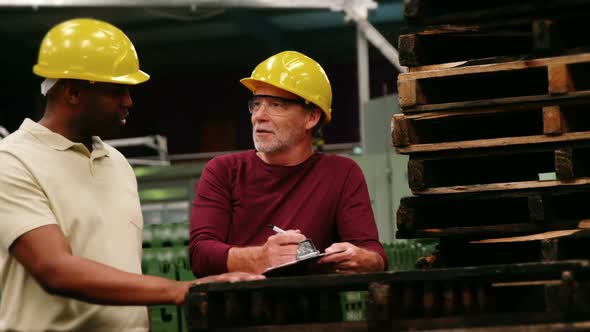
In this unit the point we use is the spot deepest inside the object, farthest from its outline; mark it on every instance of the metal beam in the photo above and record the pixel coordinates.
(156, 142)
(359, 15)
(362, 52)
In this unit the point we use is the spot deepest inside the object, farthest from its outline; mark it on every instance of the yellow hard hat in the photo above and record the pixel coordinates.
(298, 74)
(89, 49)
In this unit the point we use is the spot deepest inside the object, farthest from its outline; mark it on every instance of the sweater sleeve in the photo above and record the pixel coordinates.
(356, 221)
(210, 220)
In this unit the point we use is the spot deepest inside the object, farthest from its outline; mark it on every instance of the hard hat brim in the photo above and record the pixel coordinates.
(250, 83)
(130, 79)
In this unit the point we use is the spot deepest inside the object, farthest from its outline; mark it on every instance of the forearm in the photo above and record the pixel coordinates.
(94, 282)
(247, 259)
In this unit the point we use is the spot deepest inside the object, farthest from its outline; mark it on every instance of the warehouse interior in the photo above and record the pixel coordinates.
(204, 51)
(467, 119)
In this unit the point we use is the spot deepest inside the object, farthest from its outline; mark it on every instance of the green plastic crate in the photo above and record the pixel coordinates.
(164, 318)
(354, 305)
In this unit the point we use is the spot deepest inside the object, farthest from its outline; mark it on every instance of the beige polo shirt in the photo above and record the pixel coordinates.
(92, 196)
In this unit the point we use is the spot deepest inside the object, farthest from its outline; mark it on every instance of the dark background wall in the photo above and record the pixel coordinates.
(194, 97)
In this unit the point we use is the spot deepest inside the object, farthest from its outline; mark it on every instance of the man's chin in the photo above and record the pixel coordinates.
(267, 148)
(111, 133)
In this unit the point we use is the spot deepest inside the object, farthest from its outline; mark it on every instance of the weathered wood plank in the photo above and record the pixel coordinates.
(560, 81)
(357, 326)
(493, 41)
(442, 44)
(554, 121)
(513, 169)
(565, 163)
(571, 98)
(537, 77)
(519, 143)
(476, 188)
(497, 67)
(493, 214)
(409, 92)
(410, 50)
(402, 133)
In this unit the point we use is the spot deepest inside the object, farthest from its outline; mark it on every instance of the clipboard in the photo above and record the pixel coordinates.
(298, 267)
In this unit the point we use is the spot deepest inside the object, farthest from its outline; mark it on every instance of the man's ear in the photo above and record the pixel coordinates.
(314, 117)
(72, 92)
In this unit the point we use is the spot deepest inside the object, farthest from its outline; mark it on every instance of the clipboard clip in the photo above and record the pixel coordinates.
(306, 249)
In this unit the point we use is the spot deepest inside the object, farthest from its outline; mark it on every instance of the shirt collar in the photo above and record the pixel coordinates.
(58, 142)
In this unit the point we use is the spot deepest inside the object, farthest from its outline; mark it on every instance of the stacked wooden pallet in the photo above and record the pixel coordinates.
(498, 145)
(496, 122)
(440, 300)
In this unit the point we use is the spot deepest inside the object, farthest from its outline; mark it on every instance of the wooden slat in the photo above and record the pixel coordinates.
(380, 303)
(565, 326)
(493, 42)
(509, 80)
(410, 50)
(442, 44)
(532, 237)
(560, 81)
(417, 176)
(494, 214)
(554, 122)
(487, 230)
(409, 91)
(564, 163)
(501, 186)
(438, 66)
(358, 326)
(492, 143)
(455, 132)
(496, 67)
(402, 132)
(471, 105)
(551, 165)
(361, 326)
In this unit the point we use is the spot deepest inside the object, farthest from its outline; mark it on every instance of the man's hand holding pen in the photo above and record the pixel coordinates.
(281, 247)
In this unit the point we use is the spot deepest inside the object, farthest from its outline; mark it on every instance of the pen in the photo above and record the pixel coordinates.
(276, 229)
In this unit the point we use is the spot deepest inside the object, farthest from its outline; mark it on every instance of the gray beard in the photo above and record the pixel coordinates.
(273, 146)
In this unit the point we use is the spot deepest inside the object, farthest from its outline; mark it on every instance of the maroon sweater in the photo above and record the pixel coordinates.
(238, 195)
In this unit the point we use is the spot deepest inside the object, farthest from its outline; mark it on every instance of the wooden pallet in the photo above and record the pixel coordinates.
(491, 85)
(506, 126)
(492, 214)
(498, 295)
(432, 47)
(469, 303)
(497, 170)
(423, 12)
(451, 251)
